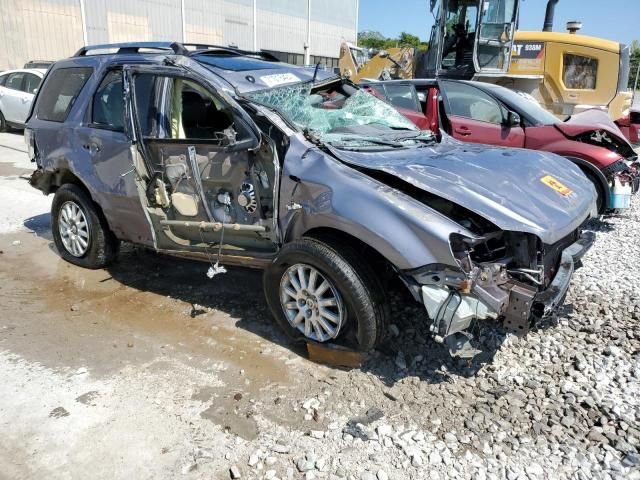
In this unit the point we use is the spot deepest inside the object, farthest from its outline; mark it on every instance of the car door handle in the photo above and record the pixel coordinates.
(92, 148)
(25, 100)
(464, 131)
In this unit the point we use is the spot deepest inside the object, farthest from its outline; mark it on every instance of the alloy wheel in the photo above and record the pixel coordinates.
(73, 228)
(311, 303)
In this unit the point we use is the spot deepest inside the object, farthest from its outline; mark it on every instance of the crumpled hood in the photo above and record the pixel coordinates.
(588, 121)
(502, 185)
(592, 120)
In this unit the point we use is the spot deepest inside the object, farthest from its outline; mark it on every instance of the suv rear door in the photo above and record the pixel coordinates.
(106, 147)
(77, 127)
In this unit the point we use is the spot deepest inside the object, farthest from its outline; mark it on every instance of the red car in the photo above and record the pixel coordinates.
(630, 126)
(485, 113)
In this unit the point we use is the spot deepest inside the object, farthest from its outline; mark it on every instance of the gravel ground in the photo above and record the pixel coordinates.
(147, 370)
(561, 403)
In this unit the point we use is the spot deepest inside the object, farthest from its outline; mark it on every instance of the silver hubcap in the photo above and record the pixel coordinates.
(74, 229)
(311, 303)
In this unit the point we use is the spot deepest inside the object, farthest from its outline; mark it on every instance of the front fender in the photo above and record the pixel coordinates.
(597, 174)
(318, 191)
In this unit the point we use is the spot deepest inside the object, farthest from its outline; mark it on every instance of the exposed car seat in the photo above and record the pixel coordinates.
(200, 116)
(194, 116)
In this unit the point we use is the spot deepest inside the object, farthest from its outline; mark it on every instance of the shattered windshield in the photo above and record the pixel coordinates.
(342, 115)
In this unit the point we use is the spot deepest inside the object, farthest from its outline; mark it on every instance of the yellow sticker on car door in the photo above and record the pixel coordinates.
(558, 186)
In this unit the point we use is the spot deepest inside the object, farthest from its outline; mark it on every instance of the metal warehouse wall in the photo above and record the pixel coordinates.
(111, 21)
(38, 29)
(53, 29)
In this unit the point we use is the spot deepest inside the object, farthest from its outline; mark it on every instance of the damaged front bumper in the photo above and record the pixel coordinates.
(519, 305)
(546, 303)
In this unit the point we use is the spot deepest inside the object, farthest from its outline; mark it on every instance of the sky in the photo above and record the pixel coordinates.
(617, 20)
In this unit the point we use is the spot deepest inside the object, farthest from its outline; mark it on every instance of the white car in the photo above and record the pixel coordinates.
(17, 89)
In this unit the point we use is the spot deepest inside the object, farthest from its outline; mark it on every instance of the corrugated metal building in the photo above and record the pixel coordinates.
(53, 29)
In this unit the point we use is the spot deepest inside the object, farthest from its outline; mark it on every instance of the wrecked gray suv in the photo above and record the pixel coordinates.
(234, 157)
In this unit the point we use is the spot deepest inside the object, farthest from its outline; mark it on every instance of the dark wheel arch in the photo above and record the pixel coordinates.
(49, 182)
(340, 263)
(102, 247)
(597, 177)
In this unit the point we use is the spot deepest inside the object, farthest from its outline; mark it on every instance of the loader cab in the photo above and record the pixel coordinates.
(469, 37)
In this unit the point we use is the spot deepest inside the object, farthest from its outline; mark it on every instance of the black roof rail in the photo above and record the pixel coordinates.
(235, 50)
(130, 47)
(177, 48)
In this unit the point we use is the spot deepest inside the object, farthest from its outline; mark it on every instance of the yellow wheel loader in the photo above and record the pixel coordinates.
(567, 72)
(359, 64)
(477, 39)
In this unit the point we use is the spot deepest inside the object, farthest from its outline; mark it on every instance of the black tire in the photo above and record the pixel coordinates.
(3, 123)
(103, 246)
(360, 289)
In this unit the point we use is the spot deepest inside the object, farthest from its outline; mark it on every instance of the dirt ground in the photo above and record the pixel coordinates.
(114, 373)
(131, 359)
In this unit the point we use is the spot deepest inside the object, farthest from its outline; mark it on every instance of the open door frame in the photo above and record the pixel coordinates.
(173, 235)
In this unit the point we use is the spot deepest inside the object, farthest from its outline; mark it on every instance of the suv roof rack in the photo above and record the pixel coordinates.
(177, 48)
(130, 47)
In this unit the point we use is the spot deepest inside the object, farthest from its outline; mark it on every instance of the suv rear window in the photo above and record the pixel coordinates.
(60, 91)
(108, 102)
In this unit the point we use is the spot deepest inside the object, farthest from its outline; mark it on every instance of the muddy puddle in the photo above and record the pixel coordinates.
(147, 308)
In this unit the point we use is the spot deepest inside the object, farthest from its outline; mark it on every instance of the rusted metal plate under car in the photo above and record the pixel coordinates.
(517, 317)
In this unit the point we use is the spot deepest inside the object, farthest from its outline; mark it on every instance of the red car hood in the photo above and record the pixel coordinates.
(588, 121)
(592, 120)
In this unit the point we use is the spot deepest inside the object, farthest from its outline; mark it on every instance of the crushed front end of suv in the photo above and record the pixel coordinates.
(236, 158)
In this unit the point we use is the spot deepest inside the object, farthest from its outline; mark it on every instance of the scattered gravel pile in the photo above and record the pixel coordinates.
(561, 403)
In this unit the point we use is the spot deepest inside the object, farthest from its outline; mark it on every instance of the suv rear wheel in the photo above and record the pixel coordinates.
(321, 293)
(80, 233)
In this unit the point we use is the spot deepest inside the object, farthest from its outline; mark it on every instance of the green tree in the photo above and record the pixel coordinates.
(408, 40)
(371, 39)
(376, 41)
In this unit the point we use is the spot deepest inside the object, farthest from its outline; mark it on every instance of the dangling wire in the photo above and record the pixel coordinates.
(214, 269)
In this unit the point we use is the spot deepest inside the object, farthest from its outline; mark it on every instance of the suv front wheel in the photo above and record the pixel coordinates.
(80, 233)
(325, 294)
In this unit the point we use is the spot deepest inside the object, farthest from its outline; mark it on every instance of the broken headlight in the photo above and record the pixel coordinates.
(604, 139)
(469, 251)
(499, 256)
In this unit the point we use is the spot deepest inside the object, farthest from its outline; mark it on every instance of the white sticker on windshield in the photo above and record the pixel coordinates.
(279, 79)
